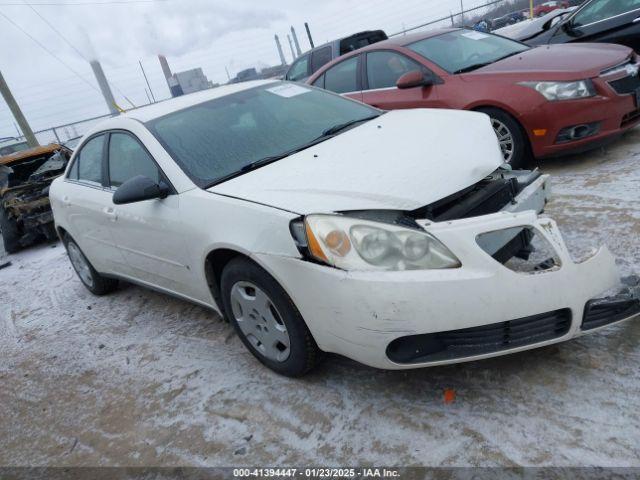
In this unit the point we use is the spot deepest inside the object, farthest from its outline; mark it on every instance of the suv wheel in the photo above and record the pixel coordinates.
(95, 283)
(266, 320)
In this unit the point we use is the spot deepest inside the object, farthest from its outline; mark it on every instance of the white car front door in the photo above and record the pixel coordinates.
(150, 233)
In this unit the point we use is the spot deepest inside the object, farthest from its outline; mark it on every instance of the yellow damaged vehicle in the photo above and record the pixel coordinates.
(25, 177)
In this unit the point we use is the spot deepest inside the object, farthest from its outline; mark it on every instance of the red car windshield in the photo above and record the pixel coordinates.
(465, 50)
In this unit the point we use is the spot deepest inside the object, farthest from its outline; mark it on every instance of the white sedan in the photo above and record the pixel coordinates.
(314, 224)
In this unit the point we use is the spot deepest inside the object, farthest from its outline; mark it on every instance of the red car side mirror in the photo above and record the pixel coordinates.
(413, 79)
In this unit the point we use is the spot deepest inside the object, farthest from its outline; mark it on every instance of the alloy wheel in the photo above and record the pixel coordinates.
(505, 138)
(260, 321)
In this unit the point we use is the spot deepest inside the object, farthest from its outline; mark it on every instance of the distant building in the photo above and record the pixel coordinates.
(277, 71)
(190, 81)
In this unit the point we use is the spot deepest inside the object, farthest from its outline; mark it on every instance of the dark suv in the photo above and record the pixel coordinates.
(605, 21)
(309, 63)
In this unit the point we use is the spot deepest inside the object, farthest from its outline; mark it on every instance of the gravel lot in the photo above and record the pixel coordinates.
(137, 378)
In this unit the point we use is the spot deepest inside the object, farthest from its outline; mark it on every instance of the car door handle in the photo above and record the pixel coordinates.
(111, 213)
(66, 202)
(636, 20)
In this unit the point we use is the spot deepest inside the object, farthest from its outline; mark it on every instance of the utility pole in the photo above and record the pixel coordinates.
(283, 61)
(295, 41)
(104, 87)
(461, 14)
(293, 53)
(17, 113)
(306, 26)
(147, 80)
(530, 9)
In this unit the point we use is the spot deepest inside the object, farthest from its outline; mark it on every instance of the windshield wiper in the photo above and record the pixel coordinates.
(343, 126)
(470, 68)
(326, 135)
(266, 161)
(476, 66)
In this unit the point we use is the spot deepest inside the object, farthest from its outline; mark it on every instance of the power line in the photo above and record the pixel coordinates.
(68, 42)
(37, 42)
(53, 54)
(107, 2)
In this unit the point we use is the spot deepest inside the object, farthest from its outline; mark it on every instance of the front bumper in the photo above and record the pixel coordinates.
(359, 314)
(614, 113)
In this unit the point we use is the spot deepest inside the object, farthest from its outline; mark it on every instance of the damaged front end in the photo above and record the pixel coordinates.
(501, 278)
(25, 178)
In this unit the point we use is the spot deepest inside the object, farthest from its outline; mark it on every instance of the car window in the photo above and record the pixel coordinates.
(73, 171)
(603, 9)
(299, 70)
(128, 159)
(320, 57)
(319, 82)
(385, 68)
(343, 77)
(215, 140)
(89, 160)
(464, 50)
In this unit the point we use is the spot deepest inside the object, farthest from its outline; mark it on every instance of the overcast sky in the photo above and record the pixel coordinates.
(212, 34)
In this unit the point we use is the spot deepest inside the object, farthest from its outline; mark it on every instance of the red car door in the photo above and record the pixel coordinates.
(381, 71)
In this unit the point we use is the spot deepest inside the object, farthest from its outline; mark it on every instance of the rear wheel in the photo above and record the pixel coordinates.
(90, 278)
(266, 320)
(513, 142)
(10, 233)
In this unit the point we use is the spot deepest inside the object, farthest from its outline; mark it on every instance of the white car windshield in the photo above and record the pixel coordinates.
(222, 138)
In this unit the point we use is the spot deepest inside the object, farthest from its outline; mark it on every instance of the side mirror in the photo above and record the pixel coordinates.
(413, 79)
(138, 189)
(569, 29)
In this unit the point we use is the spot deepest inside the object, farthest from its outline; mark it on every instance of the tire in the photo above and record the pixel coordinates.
(262, 315)
(520, 154)
(90, 278)
(10, 233)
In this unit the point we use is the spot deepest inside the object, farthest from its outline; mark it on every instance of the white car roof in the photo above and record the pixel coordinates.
(156, 110)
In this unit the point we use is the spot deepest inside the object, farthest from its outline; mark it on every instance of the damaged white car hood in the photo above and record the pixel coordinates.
(403, 160)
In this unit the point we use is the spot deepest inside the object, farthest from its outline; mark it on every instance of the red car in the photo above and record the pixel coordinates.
(543, 101)
(546, 7)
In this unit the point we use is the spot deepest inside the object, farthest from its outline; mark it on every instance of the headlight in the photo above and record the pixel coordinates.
(354, 244)
(563, 90)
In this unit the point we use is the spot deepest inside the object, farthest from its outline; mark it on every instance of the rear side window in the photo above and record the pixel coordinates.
(343, 77)
(299, 70)
(89, 161)
(319, 58)
(597, 11)
(128, 159)
(385, 68)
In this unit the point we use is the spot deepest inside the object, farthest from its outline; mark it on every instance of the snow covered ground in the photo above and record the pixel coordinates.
(137, 378)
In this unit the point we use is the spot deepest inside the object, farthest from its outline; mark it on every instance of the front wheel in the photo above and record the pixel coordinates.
(513, 142)
(266, 320)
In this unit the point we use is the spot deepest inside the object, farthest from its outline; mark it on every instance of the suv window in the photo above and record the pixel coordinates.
(299, 70)
(343, 77)
(603, 9)
(385, 68)
(89, 161)
(320, 57)
(128, 159)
